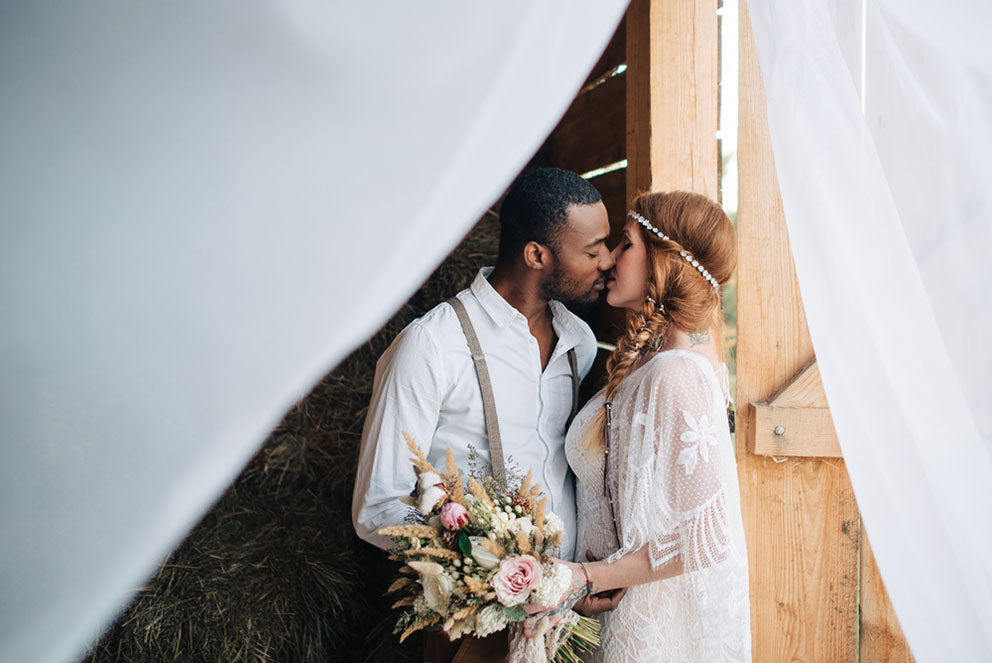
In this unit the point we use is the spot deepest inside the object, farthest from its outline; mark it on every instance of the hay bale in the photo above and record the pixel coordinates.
(274, 572)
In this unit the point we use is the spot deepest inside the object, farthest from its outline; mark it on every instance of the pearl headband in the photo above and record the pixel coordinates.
(685, 254)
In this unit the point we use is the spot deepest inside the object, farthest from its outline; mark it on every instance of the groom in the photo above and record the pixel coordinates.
(552, 254)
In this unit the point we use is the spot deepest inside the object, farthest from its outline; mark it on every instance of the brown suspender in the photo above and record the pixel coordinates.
(488, 400)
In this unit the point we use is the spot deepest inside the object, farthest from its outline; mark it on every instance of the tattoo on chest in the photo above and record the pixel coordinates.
(699, 338)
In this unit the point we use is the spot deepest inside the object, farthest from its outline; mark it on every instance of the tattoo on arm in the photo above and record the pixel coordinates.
(699, 338)
(575, 592)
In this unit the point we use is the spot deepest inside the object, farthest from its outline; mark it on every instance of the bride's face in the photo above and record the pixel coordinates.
(627, 283)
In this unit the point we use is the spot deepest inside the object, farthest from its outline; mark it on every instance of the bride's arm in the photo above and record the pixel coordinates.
(632, 569)
(589, 578)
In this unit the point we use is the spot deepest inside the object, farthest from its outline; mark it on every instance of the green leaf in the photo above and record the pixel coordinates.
(515, 614)
(464, 544)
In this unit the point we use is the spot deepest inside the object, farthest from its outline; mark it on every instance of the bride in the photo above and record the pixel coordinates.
(657, 493)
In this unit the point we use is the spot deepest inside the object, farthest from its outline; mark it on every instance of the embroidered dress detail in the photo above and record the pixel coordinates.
(673, 479)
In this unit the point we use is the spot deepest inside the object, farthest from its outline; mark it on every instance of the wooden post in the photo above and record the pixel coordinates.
(800, 515)
(809, 558)
(672, 97)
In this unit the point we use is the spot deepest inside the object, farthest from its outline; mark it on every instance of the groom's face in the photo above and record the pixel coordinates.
(581, 257)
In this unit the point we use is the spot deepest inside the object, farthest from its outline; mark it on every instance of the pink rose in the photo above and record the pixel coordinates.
(515, 578)
(454, 516)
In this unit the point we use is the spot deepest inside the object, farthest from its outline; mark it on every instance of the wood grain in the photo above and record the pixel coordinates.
(800, 516)
(591, 134)
(805, 389)
(881, 636)
(672, 92)
(806, 431)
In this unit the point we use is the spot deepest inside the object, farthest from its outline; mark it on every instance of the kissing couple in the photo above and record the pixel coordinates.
(643, 475)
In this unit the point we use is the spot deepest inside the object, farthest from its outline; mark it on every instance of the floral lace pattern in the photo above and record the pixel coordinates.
(674, 480)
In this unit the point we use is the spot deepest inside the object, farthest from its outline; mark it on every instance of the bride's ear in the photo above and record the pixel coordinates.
(537, 256)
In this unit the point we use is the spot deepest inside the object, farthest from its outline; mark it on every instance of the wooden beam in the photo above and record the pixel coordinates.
(803, 390)
(672, 93)
(795, 421)
(793, 431)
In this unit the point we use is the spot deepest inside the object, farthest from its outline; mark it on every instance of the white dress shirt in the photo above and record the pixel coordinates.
(426, 385)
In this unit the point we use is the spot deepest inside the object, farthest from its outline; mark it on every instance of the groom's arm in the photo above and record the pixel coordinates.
(406, 397)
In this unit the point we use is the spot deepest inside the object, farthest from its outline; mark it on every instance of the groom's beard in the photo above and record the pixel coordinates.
(563, 288)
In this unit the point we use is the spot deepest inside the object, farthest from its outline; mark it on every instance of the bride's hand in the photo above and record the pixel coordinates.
(543, 617)
(594, 604)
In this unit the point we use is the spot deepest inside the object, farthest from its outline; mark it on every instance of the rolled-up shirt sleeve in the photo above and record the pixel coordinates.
(406, 397)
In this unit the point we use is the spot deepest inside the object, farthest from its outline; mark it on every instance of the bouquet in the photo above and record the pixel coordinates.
(477, 553)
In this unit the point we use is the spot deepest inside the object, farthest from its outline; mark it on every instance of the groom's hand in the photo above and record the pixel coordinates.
(601, 601)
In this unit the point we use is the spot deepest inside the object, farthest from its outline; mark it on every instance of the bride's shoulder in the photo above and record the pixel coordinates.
(674, 361)
(675, 368)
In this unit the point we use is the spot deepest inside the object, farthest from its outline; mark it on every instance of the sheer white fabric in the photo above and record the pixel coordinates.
(204, 207)
(879, 116)
(673, 478)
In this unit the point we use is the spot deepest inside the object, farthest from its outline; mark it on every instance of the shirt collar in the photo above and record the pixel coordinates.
(565, 324)
(491, 301)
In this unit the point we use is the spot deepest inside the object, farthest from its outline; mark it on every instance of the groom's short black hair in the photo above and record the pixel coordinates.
(535, 209)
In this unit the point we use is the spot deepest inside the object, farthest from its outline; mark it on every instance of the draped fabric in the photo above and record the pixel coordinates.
(879, 112)
(204, 207)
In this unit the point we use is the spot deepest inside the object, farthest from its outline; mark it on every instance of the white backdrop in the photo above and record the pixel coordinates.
(880, 115)
(204, 207)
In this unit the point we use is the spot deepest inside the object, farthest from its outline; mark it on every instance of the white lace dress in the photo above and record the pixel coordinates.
(674, 485)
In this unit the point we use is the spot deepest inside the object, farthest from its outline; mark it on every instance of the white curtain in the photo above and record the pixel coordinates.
(205, 206)
(880, 116)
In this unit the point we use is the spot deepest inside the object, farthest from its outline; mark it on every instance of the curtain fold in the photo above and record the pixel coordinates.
(878, 112)
(204, 207)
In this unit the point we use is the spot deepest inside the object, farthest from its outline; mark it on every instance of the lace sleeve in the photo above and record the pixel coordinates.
(673, 449)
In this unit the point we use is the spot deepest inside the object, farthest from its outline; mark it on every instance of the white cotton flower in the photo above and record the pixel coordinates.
(553, 524)
(490, 620)
(429, 486)
(437, 591)
(555, 581)
(428, 479)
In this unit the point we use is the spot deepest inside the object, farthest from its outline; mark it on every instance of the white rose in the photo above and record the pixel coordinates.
(437, 591)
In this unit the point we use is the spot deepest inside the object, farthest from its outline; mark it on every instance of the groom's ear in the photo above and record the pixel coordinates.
(537, 256)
